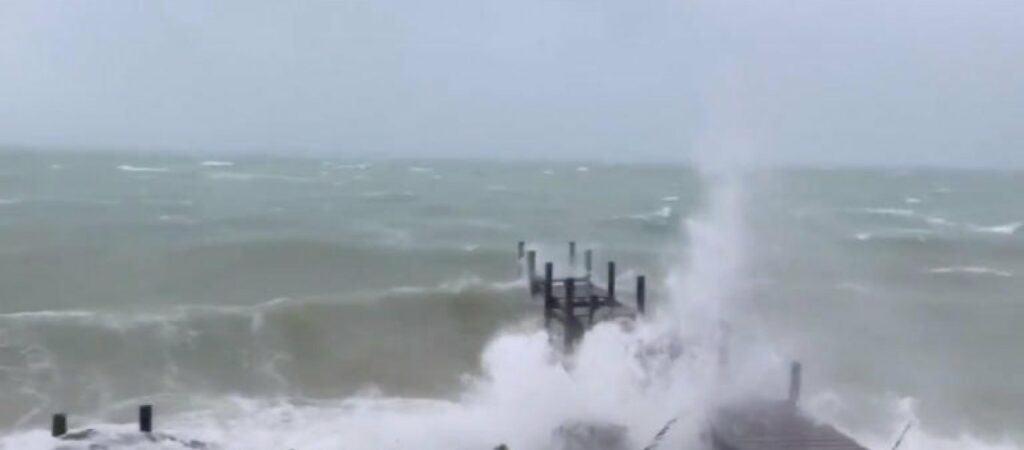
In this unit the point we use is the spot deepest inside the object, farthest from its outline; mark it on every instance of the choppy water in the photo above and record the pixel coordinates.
(285, 303)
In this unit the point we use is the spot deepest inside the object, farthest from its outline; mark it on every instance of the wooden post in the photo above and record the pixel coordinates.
(795, 375)
(549, 279)
(570, 316)
(146, 418)
(611, 280)
(531, 270)
(588, 261)
(520, 253)
(641, 294)
(59, 426)
(572, 254)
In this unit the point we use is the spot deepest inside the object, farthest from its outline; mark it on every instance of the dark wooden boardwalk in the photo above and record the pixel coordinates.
(774, 425)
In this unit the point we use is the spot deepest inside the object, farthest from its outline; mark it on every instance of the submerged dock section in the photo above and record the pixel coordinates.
(573, 299)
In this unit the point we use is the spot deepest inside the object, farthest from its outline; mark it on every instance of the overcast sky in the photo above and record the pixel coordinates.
(811, 81)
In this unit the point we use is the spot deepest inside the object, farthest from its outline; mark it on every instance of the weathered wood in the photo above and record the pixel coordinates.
(588, 261)
(641, 293)
(146, 418)
(773, 426)
(59, 425)
(611, 279)
(531, 269)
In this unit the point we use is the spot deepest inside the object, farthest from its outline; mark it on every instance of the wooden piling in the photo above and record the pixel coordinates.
(146, 418)
(795, 380)
(59, 426)
(570, 314)
(521, 250)
(588, 261)
(641, 294)
(611, 280)
(531, 268)
(549, 280)
(572, 254)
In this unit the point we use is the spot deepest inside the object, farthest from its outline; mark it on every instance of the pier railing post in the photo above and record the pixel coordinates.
(611, 281)
(795, 380)
(549, 280)
(570, 314)
(146, 418)
(59, 425)
(520, 253)
(572, 254)
(588, 261)
(641, 294)
(531, 270)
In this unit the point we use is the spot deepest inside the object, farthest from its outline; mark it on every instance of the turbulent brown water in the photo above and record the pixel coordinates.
(279, 303)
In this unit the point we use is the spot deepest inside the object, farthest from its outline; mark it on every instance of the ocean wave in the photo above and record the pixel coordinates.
(142, 169)
(217, 164)
(246, 176)
(892, 212)
(389, 196)
(338, 166)
(970, 270)
(1007, 229)
(897, 414)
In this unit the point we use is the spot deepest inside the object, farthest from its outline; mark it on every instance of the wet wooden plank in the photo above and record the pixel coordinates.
(774, 426)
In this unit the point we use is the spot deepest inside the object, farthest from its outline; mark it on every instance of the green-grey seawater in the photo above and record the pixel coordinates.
(196, 281)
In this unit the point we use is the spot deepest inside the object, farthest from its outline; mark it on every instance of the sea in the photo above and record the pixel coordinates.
(272, 302)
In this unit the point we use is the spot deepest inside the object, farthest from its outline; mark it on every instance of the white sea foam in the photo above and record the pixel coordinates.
(912, 200)
(338, 166)
(583, 169)
(142, 169)
(894, 212)
(899, 413)
(420, 169)
(970, 270)
(217, 164)
(1007, 229)
(670, 198)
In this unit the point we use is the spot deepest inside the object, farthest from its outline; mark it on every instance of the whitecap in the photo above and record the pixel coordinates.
(337, 166)
(970, 270)
(1007, 229)
(912, 200)
(418, 169)
(863, 236)
(583, 169)
(670, 198)
(9, 201)
(217, 164)
(548, 172)
(894, 212)
(131, 168)
(939, 221)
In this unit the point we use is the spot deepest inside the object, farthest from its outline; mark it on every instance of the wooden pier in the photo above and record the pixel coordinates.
(575, 302)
